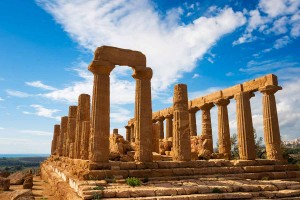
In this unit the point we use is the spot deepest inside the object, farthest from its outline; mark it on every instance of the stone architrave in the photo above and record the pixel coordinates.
(132, 132)
(193, 124)
(55, 141)
(169, 126)
(128, 132)
(206, 126)
(63, 132)
(83, 114)
(160, 122)
(155, 141)
(143, 121)
(86, 140)
(100, 123)
(223, 128)
(71, 128)
(245, 129)
(270, 119)
(181, 130)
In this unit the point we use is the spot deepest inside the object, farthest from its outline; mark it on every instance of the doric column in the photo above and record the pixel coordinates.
(85, 139)
(223, 127)
(161, 128)
(155, 140)
(244, 126)
(169, 126)
(99, 146)
(128, 132)
(143, 119)
(271, 126)
(62, 138)
(132, 139)
(206, 125)
(55, 141)
(83, 114)
(192, 119)
(181, 130)
(71, 129)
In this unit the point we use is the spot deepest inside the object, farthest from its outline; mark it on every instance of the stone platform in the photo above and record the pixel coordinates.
(239, 179)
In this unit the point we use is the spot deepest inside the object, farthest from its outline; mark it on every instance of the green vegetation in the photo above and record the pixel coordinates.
(99, 187)
(265, 178)
(97, 196)
(216, 190)
(132, 181)
(12, 165)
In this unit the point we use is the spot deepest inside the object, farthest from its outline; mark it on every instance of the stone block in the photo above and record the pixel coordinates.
(4, 184)
(127, 165)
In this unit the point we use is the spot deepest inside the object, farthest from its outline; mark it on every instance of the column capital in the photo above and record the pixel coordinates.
(206, 106)
(160, 118)
(154, 120)
(193, 109)
(97, 67)
(127, 127)
(251, 94)
(169, 116)
(146, 74)
(222, 102)
(270, 89)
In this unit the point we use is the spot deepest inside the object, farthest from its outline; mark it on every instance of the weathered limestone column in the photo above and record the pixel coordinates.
(271, 126)
(85, 139)
(223, 128)
(99, 146)
(193, 124)
(206, 125)
(144, 115)
(160, 122)
(155, 140)
(128, 132)
(55, 141)
(244, 126)
(181, 130)
(132, 139)
(83, 114)
(71, 129)
(63, 132)
(169, 126)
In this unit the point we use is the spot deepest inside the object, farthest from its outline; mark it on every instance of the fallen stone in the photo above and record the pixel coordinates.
(4, 184)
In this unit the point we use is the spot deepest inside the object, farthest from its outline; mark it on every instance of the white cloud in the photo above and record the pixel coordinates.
(195, 76)
(171, 47)
(1, 128)
(39, 84)
(282, 42)
(35, 132)
(1, 99)
(43, 112)
(16, 93)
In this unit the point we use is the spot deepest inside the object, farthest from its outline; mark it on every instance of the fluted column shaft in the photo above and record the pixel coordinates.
(55, 141)
(62, 136)
(144, 115)
(193, 123)
(245, 126)
(132, 139)
(128, 132)
(223, 127)
(99, 144)
(206, 125)
(86, 130)
(83, 114)
(155, 140)
(169, 126)
(71, 129)
(160, 122)
(271, 125)
(181, 130)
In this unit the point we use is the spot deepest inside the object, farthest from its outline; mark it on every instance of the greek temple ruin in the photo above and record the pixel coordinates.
(159, 145)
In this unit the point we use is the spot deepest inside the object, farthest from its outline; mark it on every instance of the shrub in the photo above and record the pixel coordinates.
(132, 181)
(98, 188)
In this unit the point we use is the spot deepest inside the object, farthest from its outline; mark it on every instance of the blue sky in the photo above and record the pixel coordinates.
(46, 45)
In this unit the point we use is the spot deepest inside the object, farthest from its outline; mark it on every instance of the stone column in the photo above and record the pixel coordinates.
(132, 139)
(206, 126)
(155, 140)
(244, 126)
(83, 114)
(223, 128)
(99, 146)
(193, 124)
(169, 126)
(85, 139)
(55, 141)
(160, 122)
(144, 115)
(270, 119)
(181, 130)
(71, 128)
(128, 132)
(62, 138)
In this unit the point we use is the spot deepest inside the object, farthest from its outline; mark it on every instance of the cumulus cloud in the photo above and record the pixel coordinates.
(171, 47)
(39, 84)
(43, 112)
(16, 93)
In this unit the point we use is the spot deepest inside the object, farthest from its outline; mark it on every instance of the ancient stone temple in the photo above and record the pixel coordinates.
(163, 148)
